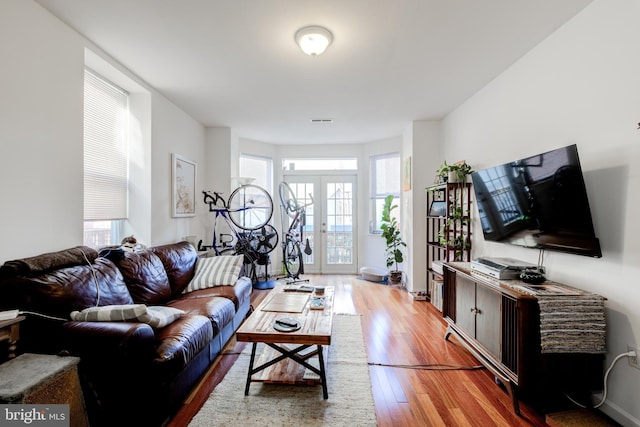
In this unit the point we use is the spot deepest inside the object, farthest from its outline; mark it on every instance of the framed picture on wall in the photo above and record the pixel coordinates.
(184, 186)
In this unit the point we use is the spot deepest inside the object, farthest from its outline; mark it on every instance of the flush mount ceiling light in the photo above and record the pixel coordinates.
(313, 40)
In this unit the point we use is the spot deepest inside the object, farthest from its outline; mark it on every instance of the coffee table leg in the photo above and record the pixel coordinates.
(253, 356)
(323, 375)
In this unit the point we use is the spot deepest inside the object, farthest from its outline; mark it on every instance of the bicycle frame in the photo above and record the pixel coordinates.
(293, 237)
(224, 246)
(296, 228)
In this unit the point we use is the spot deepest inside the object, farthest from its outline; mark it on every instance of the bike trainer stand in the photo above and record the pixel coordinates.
(267, 283)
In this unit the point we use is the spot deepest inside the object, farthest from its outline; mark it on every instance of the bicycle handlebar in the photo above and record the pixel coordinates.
(305, 205)
(212, 201)
(300, 207)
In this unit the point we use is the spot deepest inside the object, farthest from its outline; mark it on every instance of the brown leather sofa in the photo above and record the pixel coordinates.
(131, 373)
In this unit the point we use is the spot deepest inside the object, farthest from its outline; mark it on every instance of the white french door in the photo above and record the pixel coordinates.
(330, 222)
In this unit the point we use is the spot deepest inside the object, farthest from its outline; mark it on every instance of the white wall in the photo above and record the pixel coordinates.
(580, 86)
(41, 113)
(174, 132)
(41, 139)
(421, 142)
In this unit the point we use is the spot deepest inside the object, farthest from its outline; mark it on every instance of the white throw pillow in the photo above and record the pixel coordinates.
(222, 270)
(154, 316)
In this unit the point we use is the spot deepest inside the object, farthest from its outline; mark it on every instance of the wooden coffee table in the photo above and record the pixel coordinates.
(285, 358)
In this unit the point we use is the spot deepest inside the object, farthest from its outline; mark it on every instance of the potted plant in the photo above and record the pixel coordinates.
(394, 242)
(459, 171)
(442, 173)
(456, 172)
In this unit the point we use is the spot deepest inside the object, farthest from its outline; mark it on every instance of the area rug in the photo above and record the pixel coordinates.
(350, 401)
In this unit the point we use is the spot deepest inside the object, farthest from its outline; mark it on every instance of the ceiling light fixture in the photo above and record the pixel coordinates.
(313, 40)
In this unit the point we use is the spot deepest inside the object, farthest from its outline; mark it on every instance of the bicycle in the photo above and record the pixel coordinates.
(245, 216)
(293, 237)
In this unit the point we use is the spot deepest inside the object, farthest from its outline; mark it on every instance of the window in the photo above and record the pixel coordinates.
(260, 168)
(106, 160)
(385, 180)
(319, 164)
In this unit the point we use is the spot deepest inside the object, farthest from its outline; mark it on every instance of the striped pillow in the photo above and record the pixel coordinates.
(215, 271)
(154, 316)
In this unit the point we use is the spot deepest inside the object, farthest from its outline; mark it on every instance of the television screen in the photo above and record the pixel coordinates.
(537, 202)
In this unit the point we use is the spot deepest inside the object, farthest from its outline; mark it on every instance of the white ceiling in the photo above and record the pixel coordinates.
(234, 63)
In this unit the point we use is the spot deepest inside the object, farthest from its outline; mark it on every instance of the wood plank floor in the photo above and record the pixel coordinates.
(420, 389)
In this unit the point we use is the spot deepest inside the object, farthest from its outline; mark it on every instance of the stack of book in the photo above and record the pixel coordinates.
(436, 293)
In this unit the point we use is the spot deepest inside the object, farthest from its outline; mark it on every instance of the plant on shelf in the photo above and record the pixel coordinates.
(442, 173)
(456, 172)
(458, 244)
(394, 242)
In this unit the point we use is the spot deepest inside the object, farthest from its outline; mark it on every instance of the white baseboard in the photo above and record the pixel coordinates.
(619, 415)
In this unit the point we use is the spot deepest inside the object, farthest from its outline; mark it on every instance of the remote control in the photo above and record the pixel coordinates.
(287, 322)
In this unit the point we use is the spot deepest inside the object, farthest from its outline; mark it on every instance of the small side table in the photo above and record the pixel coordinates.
(10, 332)
(44, 379)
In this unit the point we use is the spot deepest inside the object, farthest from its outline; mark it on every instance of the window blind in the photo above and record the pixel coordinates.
(106, 151)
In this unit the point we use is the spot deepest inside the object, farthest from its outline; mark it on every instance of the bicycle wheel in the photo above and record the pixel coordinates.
(293, 258)
(288, 199)
(250, 207)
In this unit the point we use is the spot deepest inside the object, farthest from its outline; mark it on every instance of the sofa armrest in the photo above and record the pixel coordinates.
(243, 289)
(113, 341)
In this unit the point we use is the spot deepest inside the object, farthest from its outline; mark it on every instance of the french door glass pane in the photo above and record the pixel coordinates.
(339, 223)
(302, 191)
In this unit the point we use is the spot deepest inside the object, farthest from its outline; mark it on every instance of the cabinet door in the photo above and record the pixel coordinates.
(488, 319)
(465, 304)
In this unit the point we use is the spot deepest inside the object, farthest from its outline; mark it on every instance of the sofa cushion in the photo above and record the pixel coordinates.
(218, 310)
(221, 270)
(156, 317)
(43, 263)
(59, 292)
(145, 277)
(238, 293)
(179, 260)
(180, 342)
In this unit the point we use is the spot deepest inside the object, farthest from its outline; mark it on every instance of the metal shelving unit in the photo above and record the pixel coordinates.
(448, 231)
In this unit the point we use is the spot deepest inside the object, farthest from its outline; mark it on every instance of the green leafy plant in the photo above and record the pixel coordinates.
(442, 173)
(391, 234)
(460, 170)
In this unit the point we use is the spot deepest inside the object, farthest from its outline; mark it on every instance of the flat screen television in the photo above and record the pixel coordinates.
(537, 202)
